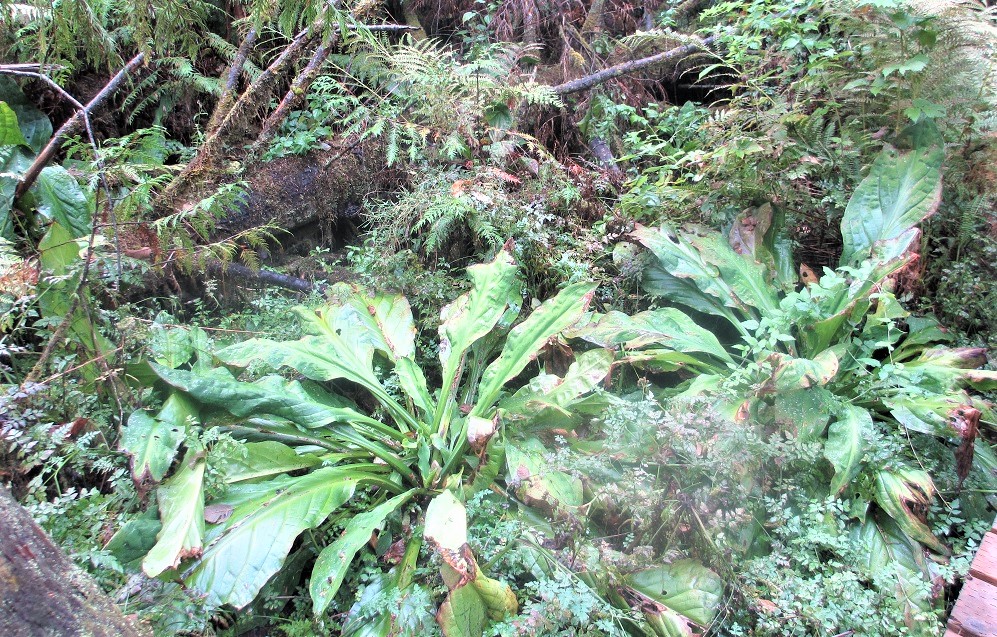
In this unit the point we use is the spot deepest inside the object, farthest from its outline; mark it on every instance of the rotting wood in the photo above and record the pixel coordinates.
(43, 593)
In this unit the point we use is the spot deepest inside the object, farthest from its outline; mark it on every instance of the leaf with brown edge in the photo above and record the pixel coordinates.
(473, 598)
(905, 495)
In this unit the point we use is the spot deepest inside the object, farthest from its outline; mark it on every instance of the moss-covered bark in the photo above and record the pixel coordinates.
(42, 593)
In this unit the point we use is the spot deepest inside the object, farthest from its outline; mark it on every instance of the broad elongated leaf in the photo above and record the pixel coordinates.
(472, 316)
(526, 339)
(273, 395)
(791, 373)
(548, 391)
(667, 327)
(340, 345)
(61, 199)
(10, 132)
(899, 193)
(34, 124)
(686, 587)
(170, 346)
(320, 358)
(385, 320)
(446, 522)
(255, 460)
(305, 405)
(894, 564)
(805, 411)
(59, 253)
(462, 613)
(845, 444)
(680, 275)
(899, 492)
(538, 484)
(133, 541)
(152, 441)
(667, 623)
(334, 561)
(13, 162)
(723, 279)
(181, 509)
(243, 552)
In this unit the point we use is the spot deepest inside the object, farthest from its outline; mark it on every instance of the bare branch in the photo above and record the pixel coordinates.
(293, 96)
(623, 68)
(80, 118)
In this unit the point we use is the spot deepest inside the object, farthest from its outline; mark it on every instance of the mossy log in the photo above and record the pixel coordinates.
(321, 186)
(42, 593)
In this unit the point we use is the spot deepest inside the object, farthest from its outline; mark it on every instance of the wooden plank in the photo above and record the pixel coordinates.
(985, 563)
(974, 613)
(951, 633)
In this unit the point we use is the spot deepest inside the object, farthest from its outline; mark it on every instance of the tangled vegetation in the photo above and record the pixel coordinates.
(485, 318)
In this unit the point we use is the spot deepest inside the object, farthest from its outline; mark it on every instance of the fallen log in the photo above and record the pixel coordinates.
(262, 276)
(42, 593)
(672, 55)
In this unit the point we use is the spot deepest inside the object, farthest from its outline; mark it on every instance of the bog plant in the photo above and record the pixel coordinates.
(305, 450)
(837, 362)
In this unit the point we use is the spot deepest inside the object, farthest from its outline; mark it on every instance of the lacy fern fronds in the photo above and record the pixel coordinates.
(427, 94)
(188, 234)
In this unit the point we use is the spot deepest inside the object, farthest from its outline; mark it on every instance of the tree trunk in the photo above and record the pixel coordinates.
(42, 593)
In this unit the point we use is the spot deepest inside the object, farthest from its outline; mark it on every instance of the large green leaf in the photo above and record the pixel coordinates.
(720, 278)
(749, 288)
(152, 441)
(540, 485)
(10, 132)
(686, 587)
(305, 405)
(244, 551)
(845, 445)
(894, 564)
(308, 406)
(340, 345)
(60, 255)
(334, 561)
(901, 492)
(13, 162)
(170, 346)
(667, 327)
(34, 124)
(255, 460)
(899, 193)
(384, 320)
(680, 275)
(60, 198)
(547, 392)
(472, 316)
(181, 509)
(525, 340)
(805, 411)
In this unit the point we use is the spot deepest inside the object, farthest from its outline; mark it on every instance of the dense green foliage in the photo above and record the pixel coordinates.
(698, 348)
